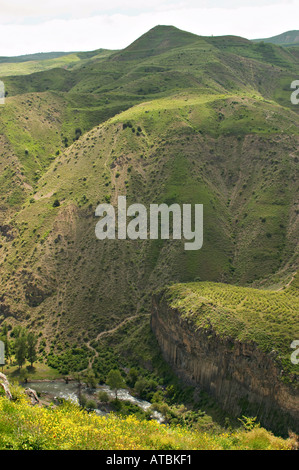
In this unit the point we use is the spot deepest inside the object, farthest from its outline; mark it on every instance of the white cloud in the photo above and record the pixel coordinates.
(20, 11)
(16, 11)
(116, 31)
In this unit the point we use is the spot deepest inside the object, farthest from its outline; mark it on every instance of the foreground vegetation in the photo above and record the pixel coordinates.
(68, 427)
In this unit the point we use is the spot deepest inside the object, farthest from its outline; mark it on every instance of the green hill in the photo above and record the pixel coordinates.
(290, 38)
(31, 63)
(174, 117)
(36, 57)
(158, 40)
(189, 149)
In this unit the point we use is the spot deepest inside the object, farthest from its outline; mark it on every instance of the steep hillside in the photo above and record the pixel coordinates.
(59, 105)
(225, 152)
(172, 118)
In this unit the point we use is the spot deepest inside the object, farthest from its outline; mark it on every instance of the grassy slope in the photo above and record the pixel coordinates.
(56, 250)
(28, 67)
(29, 64)
(285, 39)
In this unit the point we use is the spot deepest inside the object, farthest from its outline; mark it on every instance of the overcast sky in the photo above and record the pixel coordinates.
(83, 25)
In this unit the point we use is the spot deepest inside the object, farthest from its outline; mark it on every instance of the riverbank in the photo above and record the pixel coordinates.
(39, 371)
(53, 391)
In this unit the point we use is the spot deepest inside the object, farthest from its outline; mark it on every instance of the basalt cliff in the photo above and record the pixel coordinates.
(243, 379)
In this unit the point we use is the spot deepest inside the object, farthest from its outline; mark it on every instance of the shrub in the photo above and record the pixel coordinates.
(90, 405)
(103, 397)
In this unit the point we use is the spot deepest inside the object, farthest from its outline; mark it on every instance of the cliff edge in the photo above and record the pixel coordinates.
(239, 375)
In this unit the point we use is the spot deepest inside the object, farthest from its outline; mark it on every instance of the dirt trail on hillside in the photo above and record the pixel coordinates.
(288, 284)
(110, 332)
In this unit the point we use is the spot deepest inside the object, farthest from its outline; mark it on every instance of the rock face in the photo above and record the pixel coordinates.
(28, 391)
(32, 395)
(5, 385)
(243, 379)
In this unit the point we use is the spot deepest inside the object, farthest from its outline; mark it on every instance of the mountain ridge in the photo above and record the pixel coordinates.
(289, 38)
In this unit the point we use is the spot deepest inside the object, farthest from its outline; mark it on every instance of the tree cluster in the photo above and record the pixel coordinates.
(22, 344)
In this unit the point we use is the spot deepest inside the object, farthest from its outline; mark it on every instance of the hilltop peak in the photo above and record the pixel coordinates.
(163, 28)
(156, 41)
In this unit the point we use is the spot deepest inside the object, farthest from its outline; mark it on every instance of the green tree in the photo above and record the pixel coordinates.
(56, 203)
(82, 400)
(115, 381)
(132, 377)
(90, 379)
(142, 387)
(16, 331)
(103, 397)
(90, 405)
(21, 348)
(78, 133)
(31, 348)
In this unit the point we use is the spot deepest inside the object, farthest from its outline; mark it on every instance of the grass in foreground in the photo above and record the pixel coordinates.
(67, 427)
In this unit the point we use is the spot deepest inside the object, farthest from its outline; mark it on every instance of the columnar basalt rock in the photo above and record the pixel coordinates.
(242, 378)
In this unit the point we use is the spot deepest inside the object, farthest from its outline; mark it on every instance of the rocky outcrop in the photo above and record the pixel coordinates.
(32, 395)
(28, 391)
(243, 379)
(5, 385)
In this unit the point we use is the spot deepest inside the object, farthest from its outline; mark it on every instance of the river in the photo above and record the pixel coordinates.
(69, 391)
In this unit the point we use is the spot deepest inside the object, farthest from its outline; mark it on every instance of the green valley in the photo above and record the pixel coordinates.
(172, 118)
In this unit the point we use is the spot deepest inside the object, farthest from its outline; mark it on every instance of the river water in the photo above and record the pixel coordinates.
(69, 391)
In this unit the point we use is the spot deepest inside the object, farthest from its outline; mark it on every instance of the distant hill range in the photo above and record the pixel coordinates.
(37, 56)
(290, 38)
